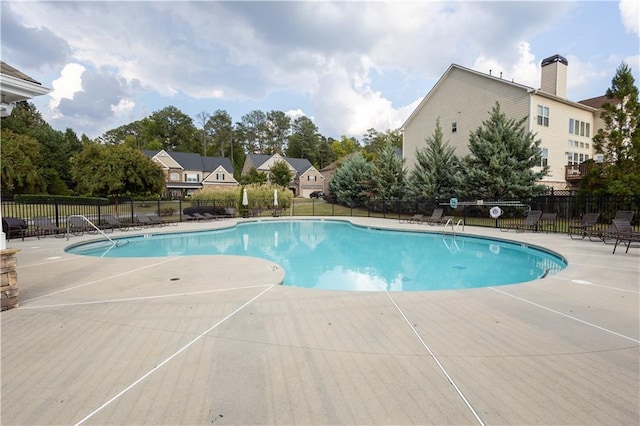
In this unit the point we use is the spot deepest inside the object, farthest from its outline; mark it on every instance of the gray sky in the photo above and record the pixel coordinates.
(349, 66)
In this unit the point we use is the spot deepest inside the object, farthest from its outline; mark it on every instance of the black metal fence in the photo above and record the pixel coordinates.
(472, 212)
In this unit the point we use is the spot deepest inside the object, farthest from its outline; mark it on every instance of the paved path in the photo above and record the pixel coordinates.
(217, 340)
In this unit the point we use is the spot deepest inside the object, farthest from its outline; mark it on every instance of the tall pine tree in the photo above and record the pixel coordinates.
(619, 140)
(503, 155)
(435, 175)
(389, 176)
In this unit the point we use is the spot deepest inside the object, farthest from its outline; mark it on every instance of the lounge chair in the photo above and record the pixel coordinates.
(157, 220)
(608, 236)
(444, 220)
(14, 227)
(582, 227)
(416, 218)
(624, 234)
(45, 226)
(200, 216)
(111, 222)
(531, 222)
(78, 226)
(548, 222)
(436, 217)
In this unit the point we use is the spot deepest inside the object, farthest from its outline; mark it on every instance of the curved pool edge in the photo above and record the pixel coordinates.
(381, 224)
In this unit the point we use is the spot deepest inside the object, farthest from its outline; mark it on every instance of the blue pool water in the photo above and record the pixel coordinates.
(337, 255)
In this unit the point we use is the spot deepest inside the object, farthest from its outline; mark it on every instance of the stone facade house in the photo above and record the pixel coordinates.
(186, 172)
(306, 178)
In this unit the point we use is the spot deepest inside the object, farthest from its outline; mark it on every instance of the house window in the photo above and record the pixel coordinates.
(174, 176)
(570, 143)
(190, 177)
(544, 160)
(543, 116)
(582, 123)
(454, 127)
(219, 176)
(571, 126)
(311, 178)
(588, 130)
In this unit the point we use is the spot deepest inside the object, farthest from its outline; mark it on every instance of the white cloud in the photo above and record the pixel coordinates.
(522, 69)
(296, 113)
(125, 106)
(331, 60)
(630, 14)
(66, 86)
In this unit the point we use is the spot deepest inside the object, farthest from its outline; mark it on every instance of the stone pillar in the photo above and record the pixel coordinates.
(9, 278)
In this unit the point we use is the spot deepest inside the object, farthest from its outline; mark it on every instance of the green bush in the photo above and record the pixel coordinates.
(60, 199)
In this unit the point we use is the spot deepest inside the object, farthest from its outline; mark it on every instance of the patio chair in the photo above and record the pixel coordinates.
(230, 212)
(582, 227)
(78, 226)
(435, 218)
(14, 227)
(157, 220)
(416, 218)
(201, 216)
(624, 233)
(111, 222)
(531, 222)
(277, 211)
(45, 226)
(608, 236)
(548, 222)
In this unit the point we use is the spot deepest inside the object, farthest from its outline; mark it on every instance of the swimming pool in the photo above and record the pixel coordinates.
(337, 255)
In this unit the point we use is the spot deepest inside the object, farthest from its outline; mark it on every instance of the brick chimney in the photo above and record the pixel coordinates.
(554, 75)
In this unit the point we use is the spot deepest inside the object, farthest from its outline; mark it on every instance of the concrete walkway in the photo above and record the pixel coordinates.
(216, 340)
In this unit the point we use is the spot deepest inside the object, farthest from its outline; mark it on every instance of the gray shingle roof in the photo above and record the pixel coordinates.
(193, 161)
(7, 69)
(300, 165)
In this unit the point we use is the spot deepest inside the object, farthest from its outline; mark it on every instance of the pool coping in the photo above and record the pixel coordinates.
(232, 346)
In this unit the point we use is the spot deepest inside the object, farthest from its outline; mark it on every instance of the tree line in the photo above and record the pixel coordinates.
(37, 159)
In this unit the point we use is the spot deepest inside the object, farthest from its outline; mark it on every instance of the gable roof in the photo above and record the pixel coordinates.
(512, 83)
(193, 161)
(299, 164)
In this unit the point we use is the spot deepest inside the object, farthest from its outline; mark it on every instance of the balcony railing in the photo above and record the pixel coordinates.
(573, 173)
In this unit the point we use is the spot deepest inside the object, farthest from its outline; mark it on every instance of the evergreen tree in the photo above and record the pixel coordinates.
(350, 183)
(436, 173)
(619, 140)
(281, 173)
(503, 155)
(389, 176)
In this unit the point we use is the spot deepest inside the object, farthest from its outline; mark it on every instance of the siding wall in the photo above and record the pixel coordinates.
(466, 99)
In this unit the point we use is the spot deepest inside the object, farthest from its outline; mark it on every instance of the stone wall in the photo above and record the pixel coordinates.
(9, 278)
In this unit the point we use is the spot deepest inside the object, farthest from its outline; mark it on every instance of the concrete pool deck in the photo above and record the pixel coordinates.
(217, 340)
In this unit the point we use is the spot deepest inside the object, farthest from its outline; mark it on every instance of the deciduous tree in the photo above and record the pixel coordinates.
(116, 171)
(281, 173)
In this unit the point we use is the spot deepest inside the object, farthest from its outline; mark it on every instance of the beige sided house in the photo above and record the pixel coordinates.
(463, 99)
(306, 178)
(186, 172)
